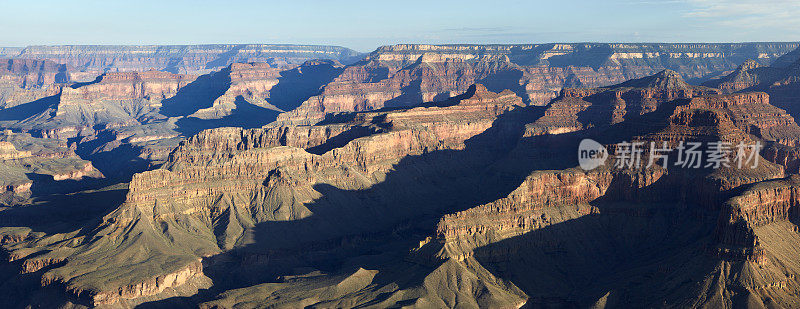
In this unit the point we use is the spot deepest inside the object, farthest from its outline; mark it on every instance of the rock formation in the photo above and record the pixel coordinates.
(482, 182)
(136, 118)
(150, 85)
(26, 80)
(27, 161)
(134, 115)
(420, 176)
(29, 73)
(404, 74)
(780, 80)
(185, 59)
(281, 174)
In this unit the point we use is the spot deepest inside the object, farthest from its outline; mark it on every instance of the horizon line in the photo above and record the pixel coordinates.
(396, 44)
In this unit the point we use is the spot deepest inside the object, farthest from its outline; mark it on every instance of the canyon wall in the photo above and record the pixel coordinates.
(402, 74)
(186, 59)
(26, 162)
(265, 165)
(31, 73)
(28, 80)
(471, 160)
(421, 161)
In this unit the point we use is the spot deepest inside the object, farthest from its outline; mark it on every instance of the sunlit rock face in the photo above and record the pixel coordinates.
(130, 121)
(44, 165)
(780, 80)
(483, 179)
(421, 176)
(29, 80)
(400, 75)
(283, 169)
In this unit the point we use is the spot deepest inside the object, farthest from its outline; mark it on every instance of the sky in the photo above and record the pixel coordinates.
(365, 25)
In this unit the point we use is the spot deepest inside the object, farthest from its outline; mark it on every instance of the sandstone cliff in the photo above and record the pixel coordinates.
(150, 85)
(405, 74)
(467, 199)
(130, 121)
(263, 165)
(29, 73)
(26, 80)
(186, 59)
(26, 162)
(779, 80)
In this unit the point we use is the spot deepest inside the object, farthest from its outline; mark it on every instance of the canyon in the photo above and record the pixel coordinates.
(226, 176)
(399, 74)
(185, 59)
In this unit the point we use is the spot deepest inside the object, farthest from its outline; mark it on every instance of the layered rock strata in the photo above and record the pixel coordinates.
(37, 162)
(266, 165)
(185, 59)
(779, 80)
(403, 74)
(483, 190)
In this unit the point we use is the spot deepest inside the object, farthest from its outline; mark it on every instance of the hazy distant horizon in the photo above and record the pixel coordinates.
(402, 43)
(366, 25)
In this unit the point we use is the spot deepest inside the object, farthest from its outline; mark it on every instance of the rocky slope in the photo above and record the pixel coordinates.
(116, 98)
(185, 59)
(579, 109)
(421, 176)
(150, 85)
(29, 73)
(283, 179)
(29, 164)
(137, 116)
(780, 80)
(130, 121)
(562, 219)
(400, 75)
(25, 80)
(470, 201)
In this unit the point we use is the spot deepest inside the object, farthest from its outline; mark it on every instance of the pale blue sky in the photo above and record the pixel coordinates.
(365, 25)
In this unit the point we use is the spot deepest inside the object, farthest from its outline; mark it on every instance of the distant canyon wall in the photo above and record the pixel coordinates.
(185, 59)
(399, 75)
